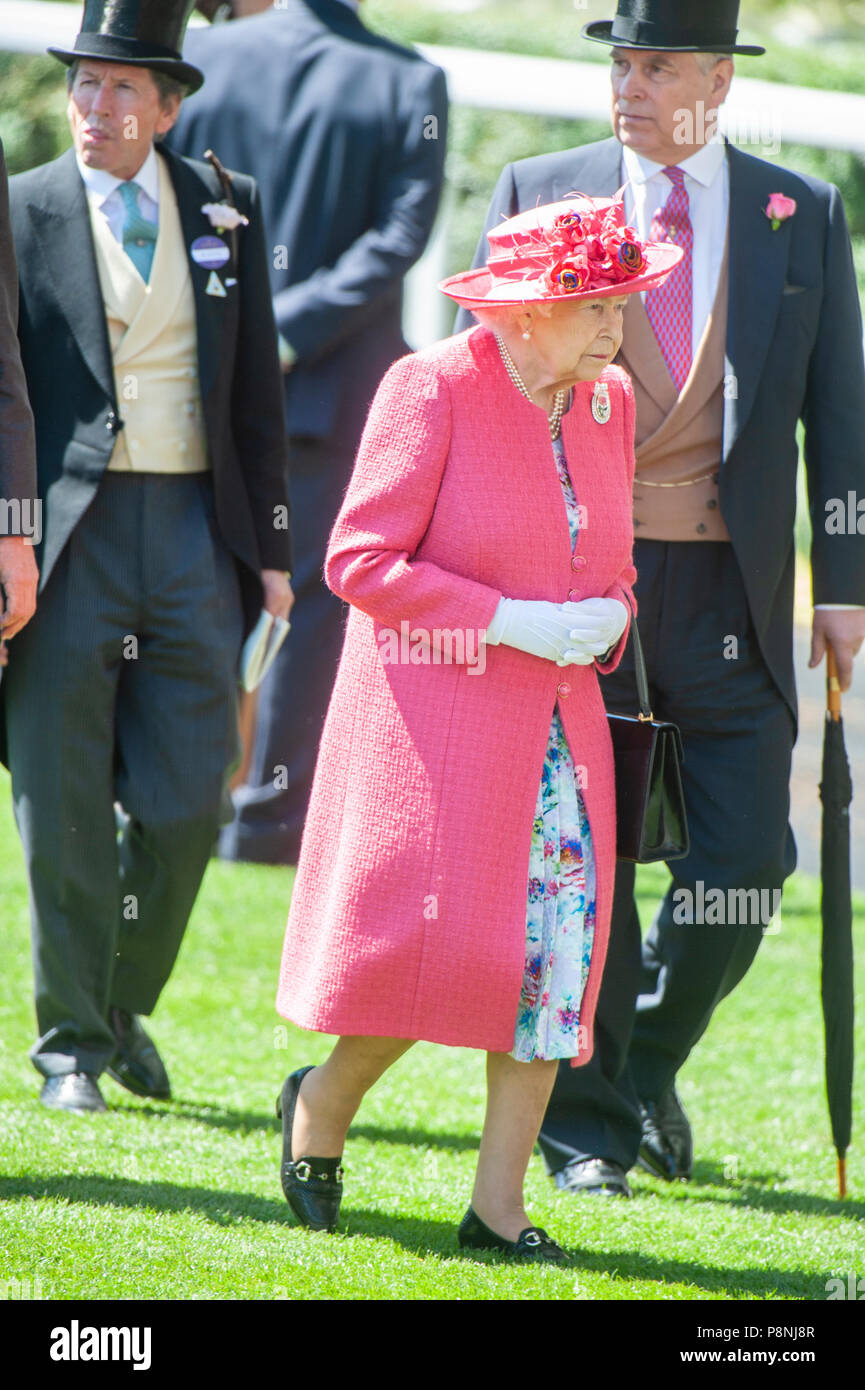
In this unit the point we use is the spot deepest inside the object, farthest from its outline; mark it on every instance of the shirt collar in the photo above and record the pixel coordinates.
(100, 184)
(703, 166)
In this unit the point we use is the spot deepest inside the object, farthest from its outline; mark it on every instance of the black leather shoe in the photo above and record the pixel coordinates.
(599, 1177)
(532, 1247)
(75, 1091)
(666, 1148)
(136, 1064)
(312, 1186)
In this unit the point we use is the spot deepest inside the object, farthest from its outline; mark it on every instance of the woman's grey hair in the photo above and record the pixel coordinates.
(497, 316)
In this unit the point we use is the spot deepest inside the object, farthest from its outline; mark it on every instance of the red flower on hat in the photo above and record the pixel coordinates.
(568, 228)
(631, 257)
(567, 276)
(601, 264)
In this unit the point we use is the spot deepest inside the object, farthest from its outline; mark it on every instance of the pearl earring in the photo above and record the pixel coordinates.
(527, 334)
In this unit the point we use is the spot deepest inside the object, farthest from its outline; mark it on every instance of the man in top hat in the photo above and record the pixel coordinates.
(150, 353)
(345, 133)
(757, 329)
(19, 513)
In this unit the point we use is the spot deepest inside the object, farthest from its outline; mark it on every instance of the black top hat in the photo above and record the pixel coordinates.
(146, 33)
(684, 26)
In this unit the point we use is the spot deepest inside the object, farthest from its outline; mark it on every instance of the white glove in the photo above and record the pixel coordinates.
(559, 632)
(609, 613)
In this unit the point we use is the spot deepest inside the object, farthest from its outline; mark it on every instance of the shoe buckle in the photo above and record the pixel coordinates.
(303, 1172)
(531, 1238)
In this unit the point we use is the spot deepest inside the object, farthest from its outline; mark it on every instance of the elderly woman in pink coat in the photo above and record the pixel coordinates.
(456, 873)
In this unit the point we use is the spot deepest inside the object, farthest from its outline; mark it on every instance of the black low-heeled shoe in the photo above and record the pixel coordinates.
(312, 1186)
(532, 1247)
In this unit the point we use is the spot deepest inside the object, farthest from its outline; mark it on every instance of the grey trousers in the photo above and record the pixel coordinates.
(121, 692)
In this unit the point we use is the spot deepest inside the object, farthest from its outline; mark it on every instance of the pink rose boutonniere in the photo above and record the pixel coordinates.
(779, 208)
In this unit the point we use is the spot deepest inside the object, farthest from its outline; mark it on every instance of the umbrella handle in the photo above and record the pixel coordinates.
(833, 686)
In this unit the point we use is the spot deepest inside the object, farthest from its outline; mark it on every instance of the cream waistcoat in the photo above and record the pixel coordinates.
(154, 347)
(679, 436)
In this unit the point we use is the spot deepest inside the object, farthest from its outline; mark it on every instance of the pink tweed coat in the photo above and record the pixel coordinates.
(408, 917)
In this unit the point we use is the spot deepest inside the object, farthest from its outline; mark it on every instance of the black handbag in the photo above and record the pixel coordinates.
(651, 822)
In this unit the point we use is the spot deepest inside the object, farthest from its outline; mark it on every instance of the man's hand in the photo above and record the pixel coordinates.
(19, 577)
(278, 598)
(844, 631)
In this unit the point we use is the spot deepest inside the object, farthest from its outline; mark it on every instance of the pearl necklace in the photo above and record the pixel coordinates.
(559, 400)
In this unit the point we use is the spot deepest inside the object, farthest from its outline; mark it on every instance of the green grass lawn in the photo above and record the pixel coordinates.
(182, 1201)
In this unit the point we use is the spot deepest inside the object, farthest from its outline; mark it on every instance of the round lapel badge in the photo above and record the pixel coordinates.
(209, 251)
(601, 407)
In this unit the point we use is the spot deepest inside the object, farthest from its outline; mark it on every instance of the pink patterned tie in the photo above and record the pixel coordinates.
(670, 307)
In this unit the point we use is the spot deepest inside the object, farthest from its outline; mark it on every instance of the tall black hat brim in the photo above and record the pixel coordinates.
(601, 31)
(107, 49)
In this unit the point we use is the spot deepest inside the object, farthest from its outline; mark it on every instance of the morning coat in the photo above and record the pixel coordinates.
(793, 354)
(70, 376)
(408, 917)
(17, 442)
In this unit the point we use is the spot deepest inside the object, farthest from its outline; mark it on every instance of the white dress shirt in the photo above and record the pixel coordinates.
(707, 182)
(102, 192)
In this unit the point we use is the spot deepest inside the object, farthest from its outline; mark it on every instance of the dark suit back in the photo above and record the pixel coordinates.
(330, 120)
(793, 353)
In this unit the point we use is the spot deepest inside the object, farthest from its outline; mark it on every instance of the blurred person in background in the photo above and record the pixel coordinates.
(758, 329)
(150, 355)
(345, 134)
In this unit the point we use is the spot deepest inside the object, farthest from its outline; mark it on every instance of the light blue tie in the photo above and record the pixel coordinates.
(138, 234)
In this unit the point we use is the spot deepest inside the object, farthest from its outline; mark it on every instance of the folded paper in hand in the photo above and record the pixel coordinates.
(260, 648)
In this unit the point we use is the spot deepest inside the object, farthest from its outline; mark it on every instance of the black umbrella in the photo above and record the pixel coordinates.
(836, 792)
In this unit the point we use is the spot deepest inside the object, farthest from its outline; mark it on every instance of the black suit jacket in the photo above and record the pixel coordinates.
(67, 361)
(345, 134)
(17, 444)
(793, 353)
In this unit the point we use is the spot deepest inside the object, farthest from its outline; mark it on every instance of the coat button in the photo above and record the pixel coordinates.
(573, 595)
(702, 528)
(564, 688)
(578, 562)
(111, 422)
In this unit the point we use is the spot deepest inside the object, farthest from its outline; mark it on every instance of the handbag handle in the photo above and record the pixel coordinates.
(640, 669)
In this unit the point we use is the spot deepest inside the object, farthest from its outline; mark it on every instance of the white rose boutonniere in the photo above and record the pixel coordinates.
(224, 217)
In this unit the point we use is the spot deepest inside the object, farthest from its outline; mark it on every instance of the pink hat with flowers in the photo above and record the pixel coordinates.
(579, 248)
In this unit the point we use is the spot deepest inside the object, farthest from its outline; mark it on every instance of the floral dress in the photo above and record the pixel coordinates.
(560, 914)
